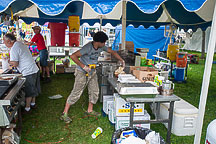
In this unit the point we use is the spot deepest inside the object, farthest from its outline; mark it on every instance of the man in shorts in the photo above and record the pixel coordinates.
(39, 41)
(21, 58)
(88, 55)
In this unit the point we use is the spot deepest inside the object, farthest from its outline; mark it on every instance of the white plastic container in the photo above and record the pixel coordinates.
(105, 99)
(122, 108)
(184, 117)
(122, 122)
(111, 116)
(211, 134)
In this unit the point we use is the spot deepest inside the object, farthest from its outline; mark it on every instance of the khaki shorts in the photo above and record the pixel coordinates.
(80, 84)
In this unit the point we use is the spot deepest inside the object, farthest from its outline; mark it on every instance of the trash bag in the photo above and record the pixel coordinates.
(141, 133)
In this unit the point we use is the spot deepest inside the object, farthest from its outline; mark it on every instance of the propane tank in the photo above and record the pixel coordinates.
(211, 134)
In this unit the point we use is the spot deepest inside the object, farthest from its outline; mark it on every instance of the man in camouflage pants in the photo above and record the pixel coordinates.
(88, 55)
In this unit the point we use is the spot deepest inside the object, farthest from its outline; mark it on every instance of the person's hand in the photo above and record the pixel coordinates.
(122, 63)
(87, 69)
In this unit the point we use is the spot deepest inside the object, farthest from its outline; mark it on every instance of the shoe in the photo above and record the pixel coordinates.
(93, 113)
(48, 80)
(42, 78)
(25, 112)
(66, 119)
(33, 106)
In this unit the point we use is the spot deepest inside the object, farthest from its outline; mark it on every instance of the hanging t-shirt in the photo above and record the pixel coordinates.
(39, 40)
(20, 53)
(89, 55)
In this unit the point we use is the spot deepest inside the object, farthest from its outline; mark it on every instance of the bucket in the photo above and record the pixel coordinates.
(73, 23)
(57, 33)
(210, 134)
(179, 74)
(181, 59)
(74, 38)
(172, 51)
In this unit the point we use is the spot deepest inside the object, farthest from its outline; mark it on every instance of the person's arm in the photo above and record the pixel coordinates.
(13, 63)
(75, 57)
(30, 43)
(116, 55)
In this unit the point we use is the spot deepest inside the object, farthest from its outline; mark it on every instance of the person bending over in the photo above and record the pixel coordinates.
(88, 55)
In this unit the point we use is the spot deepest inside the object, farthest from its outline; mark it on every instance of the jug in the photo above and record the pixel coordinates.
(167, 85)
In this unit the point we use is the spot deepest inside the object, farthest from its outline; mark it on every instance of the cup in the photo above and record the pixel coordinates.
(97, 132)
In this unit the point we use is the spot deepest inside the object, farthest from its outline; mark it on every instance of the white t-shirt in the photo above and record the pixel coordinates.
(20, 53)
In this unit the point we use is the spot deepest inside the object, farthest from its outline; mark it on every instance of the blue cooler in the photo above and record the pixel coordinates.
(179, 74)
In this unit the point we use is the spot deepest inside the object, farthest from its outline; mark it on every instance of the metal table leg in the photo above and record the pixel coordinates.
(131, 113)
(54, 64)
(157, 110)
(170, 122)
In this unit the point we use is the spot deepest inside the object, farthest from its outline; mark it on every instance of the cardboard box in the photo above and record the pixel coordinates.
(122, 122)
(129, 45)
(59, 68)
(122, 108)
(144, 73)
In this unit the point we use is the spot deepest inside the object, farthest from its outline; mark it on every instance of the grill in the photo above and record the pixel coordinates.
(11, 96)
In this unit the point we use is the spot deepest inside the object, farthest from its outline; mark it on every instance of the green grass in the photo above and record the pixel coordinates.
(43, 125)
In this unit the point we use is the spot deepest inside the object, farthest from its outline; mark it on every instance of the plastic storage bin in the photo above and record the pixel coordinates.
(141, 133)
(57, 33)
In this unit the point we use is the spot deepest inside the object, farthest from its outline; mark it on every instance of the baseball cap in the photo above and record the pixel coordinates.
(36, 27)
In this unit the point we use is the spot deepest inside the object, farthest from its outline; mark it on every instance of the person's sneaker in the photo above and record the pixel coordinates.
(93, 113)
(33, 106)
(42, 78)
(25, 112)
(48, 80)
(65, 118)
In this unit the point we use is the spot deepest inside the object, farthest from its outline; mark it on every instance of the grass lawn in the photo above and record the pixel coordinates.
(43, 124)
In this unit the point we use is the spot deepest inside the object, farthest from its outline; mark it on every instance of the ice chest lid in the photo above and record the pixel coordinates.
(182, 107)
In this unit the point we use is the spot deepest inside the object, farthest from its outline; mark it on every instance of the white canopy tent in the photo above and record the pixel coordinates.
(194, 42)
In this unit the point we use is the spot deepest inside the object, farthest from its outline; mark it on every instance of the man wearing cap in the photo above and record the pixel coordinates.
(39, 41)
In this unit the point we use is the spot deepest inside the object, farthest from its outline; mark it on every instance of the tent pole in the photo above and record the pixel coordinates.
(206, 79)
(123, 24)
(17, 29)
(100, 22)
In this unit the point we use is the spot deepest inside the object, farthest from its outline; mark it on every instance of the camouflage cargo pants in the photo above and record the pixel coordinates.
(79, 86)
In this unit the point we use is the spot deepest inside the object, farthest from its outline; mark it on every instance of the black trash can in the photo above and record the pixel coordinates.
(141, 133)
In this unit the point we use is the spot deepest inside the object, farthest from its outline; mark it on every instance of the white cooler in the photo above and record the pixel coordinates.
(184, 117)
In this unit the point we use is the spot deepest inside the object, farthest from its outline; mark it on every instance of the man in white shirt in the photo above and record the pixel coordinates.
(21, 58)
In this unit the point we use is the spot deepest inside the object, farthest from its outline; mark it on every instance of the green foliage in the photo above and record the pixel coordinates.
(43, 124)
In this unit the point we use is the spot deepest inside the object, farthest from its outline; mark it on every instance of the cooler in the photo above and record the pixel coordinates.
(181, 59)
(179, 74)
(74, 38)
(184, 117)
(57, 33)
(172, 51)
(73, 23)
